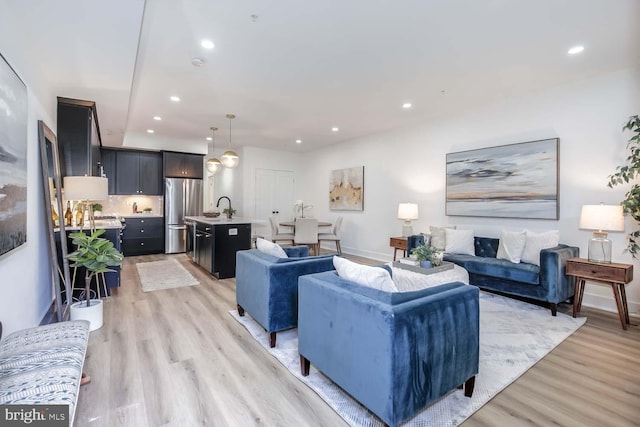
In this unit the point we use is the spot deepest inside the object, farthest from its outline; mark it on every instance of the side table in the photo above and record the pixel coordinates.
(398, 243)
(613, 274)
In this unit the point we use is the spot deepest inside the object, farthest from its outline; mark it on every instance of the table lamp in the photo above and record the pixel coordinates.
(86, 189)
(601, 218)
(407, 212)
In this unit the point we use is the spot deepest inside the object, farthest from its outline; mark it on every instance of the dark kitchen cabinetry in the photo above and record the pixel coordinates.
(133, 172)
(78, 137)
(143, 236)
(183, 165)
(138, 172)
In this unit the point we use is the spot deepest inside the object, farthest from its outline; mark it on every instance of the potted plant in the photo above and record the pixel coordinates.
(428, 256)
(230, 212)
(97, 209)
(96, 255)
(626, 173)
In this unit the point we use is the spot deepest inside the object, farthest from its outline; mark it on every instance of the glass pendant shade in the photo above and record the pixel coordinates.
(213, 165)
(230, 159)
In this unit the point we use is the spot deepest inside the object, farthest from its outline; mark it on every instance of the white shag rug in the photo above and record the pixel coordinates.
(166, 274)
(514, 336)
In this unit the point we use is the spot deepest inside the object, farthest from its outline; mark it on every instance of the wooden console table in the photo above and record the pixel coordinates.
(613, 274)
(398, 243)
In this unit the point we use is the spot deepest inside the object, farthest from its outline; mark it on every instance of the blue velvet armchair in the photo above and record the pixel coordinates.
(267, 286)
(393, 352)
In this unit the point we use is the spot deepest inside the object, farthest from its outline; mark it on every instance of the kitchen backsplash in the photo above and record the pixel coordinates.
(123, 205)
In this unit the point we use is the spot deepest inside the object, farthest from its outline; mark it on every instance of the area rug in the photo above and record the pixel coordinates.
(166, 274)
(513, 336)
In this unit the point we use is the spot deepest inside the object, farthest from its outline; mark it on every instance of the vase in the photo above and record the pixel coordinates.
(93, 313)
(425, 264)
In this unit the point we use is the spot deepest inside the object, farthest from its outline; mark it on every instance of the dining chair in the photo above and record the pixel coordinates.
(275, 235)
(333, 236)
(306, 233)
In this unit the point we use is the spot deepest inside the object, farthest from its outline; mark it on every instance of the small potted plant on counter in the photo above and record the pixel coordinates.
(229, 212)
(96, 255)
(428, 256)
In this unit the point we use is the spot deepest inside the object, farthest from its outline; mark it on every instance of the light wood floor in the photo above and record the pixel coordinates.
(177, 358)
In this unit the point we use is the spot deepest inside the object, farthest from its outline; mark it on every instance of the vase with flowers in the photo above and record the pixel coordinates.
(428, 256)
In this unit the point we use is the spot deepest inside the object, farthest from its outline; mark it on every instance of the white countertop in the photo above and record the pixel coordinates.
(221, 220)
(142, 215)
(100, 223)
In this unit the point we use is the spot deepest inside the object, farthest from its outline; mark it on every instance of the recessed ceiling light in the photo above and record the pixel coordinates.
(406, 105)
(209, 138)
(175, 98)
(334, 129)
(298, 141)
(575, 49)
(150, 131)
(207, 44)
(158, 118)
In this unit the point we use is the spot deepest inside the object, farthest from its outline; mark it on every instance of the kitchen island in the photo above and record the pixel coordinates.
(212, 243)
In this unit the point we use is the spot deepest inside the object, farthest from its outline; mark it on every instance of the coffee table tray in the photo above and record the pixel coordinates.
(446, 265)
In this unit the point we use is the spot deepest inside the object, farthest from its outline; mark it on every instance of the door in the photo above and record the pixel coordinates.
(127, 173)
(274, 191)
(150, 173)
(192, 197)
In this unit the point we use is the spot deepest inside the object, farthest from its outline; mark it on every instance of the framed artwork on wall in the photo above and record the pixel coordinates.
(346, 189)
(13, 159)
(508, 181)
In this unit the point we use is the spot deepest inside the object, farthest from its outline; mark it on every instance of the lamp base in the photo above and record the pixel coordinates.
(407, 230)
(600, 248)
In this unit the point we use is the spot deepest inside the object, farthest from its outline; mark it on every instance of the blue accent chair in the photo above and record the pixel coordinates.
(267, 286)
(393, 352)
(547, 283)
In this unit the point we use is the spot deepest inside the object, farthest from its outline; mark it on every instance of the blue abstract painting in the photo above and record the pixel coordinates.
(509, 181)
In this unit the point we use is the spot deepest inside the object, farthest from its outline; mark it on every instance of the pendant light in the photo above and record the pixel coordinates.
(213, 164)
(230, 158)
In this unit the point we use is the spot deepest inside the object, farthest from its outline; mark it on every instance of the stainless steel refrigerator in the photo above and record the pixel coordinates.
(182, 197)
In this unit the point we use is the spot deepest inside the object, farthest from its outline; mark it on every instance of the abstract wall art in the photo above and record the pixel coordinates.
(13, 159)
(509, 181)
(346, 189)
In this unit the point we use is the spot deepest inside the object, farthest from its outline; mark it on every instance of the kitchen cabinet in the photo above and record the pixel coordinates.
(183, 165)
(78, 137)
(108, 160)
(138, 172)
(143, 236)
(132, 172)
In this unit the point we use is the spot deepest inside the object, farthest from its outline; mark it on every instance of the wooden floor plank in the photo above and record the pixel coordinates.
(177, 358)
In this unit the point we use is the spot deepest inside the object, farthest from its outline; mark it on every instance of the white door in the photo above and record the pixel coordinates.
(274, 196)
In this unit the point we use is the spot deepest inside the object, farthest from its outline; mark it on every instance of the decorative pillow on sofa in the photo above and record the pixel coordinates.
(373, 277)
(512, 245)
(537, 242)
(459, 242)
(438, 239)
(270, 248)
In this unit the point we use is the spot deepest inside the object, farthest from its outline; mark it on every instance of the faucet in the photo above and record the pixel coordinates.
(230, 212)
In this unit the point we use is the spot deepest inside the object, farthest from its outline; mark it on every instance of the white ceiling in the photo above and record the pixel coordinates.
(301, 67)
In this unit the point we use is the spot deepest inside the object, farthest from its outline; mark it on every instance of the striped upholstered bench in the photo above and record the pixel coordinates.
(43, 365)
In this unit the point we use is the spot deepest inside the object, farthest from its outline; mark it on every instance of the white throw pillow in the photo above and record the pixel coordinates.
(438, 239)
(270, 248)
(512, 245)
(537, 242)
(459, 242)
(373, 277)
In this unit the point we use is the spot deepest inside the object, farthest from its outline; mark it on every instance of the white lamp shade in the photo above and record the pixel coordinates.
(92, 188)
(230, 159)
(407, 211)
(602, 217)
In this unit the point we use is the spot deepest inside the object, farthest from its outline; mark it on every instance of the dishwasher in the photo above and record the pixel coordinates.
(203, 250)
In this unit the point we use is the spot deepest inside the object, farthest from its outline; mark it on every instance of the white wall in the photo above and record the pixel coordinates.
(25, 284)
(408, 165)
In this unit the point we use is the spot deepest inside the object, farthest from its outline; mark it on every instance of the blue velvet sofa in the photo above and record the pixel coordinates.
(393, 352)
(267, 286)
(547, 282)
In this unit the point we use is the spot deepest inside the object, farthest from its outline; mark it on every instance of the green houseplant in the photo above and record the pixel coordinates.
(230, 212)
(96, 255)
(428, 253)
(626, 173)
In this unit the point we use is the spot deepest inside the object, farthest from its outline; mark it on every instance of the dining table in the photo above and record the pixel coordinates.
(293, 224)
